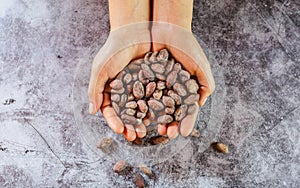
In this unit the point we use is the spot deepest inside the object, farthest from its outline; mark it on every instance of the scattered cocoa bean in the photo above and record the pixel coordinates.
(139, 180)
(220, 147)
(195, 133)
(120, 166)
(142, 106)
(143, 168)
(105, 144)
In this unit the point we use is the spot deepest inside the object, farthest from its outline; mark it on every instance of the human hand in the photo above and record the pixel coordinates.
(123, 45)
(185, 49)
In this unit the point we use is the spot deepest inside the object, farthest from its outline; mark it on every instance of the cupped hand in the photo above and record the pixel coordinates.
(123, 45)
(185, 48)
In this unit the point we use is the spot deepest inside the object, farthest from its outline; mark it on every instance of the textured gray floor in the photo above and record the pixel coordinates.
(255, 45)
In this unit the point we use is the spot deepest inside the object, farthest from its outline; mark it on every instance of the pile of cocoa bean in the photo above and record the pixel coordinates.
(153, 90)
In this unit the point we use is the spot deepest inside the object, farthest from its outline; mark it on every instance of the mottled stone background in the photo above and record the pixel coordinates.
(255, 44)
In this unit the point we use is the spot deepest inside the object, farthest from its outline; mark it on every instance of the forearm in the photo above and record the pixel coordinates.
(178, 12)
(123, 12)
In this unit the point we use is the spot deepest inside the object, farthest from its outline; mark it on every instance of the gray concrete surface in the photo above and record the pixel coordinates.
(254, 48)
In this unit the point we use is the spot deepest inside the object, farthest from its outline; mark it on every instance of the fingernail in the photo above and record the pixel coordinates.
(204, 101)
(91, 108)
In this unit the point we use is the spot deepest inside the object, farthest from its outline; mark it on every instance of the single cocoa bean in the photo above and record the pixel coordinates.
(131, 104)
(170, 110)
(105, 144)
(146, 170)
(119, 91)
(157, 94)
(133, 67)
(130, 111)
(192, 86)
(127, 78)
(153, 57)
(120, 166)
(160, 76)
(184, 75)
(175, 96)
(180, 112)
(191, 99)
(195, 133)
(169, 66)
(148, 72)
(142, 106)
(138, 90)
(180, 89)
(171, 79)
(116, 84)
(115, 97)
(163, 55)
(158, 68)
(150, 88)
(220, 147)
(129, 119)
(139, 181)
(155, 105)
(168, 101)
(164, 119)
(161, 85)
(192, 108)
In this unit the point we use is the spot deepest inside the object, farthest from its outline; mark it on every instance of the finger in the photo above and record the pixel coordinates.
(140, 130)
(129, 132)
(187, 124)
(162, 129)
(172, 130)
(206, 88)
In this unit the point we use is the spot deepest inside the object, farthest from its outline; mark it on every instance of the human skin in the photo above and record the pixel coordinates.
(171, 29)
(129, 38)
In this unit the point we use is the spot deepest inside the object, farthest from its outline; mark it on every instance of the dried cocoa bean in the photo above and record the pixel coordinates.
(175, 96)
(168, 101)
(163, 55)
(184, 75)
(142, 77)
(142, 106)
(115, 97)
(130, 97)
(177, 67)
(195, 133)
(133, 67)
(155, 105)
(130, 111)
(148, 72)
(164, 119)
(158, 68)
(170, 110)
(147, 57)
(119, 91)
(192, 108)
(180, 112)
(220, 147)
(160, 76)
(180, 89)
(138, 90)
(169, 66)
(161, 85)
(116, 84)
(158, 140)
(146, 170)
(192, 86)
(157, 94)
(123, 100)
(138, 61)
(153, 57)
(140, 115)
(116, 107)
(127, 78)
(191, 99)
(139, 181)
(171, 79)
(150, 88)
(131, 104)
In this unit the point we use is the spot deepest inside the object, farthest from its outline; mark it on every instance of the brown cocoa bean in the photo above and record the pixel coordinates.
(147, 57)
(153, 57)
(155, 105)
(138, 90)
(142, 77)
(139, 181)
(127, 78)
(169, 66)
(180, 112)
(158, 140)
(163, 55)
(175, 96)
(147, 72)
(192, 86)
(131, 104)
(146, 121)
(138, 61)
(150, 88)
(184, 75)
(116, 107)
(130, 97)
(170, 110)
(171, 79)
(119, 91)
(127, 119)
(191, 99)
(123, 100)
(220, 147)
(157, 94)
(142, 106)
(130, 111)
(116, 84)
(195, 133)
(120, 166)
(115, 97)
(177, 67)
(164, 119)
(180, 89)
(168, 101)
(158, 68)
(161, 85)
(133, 67)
